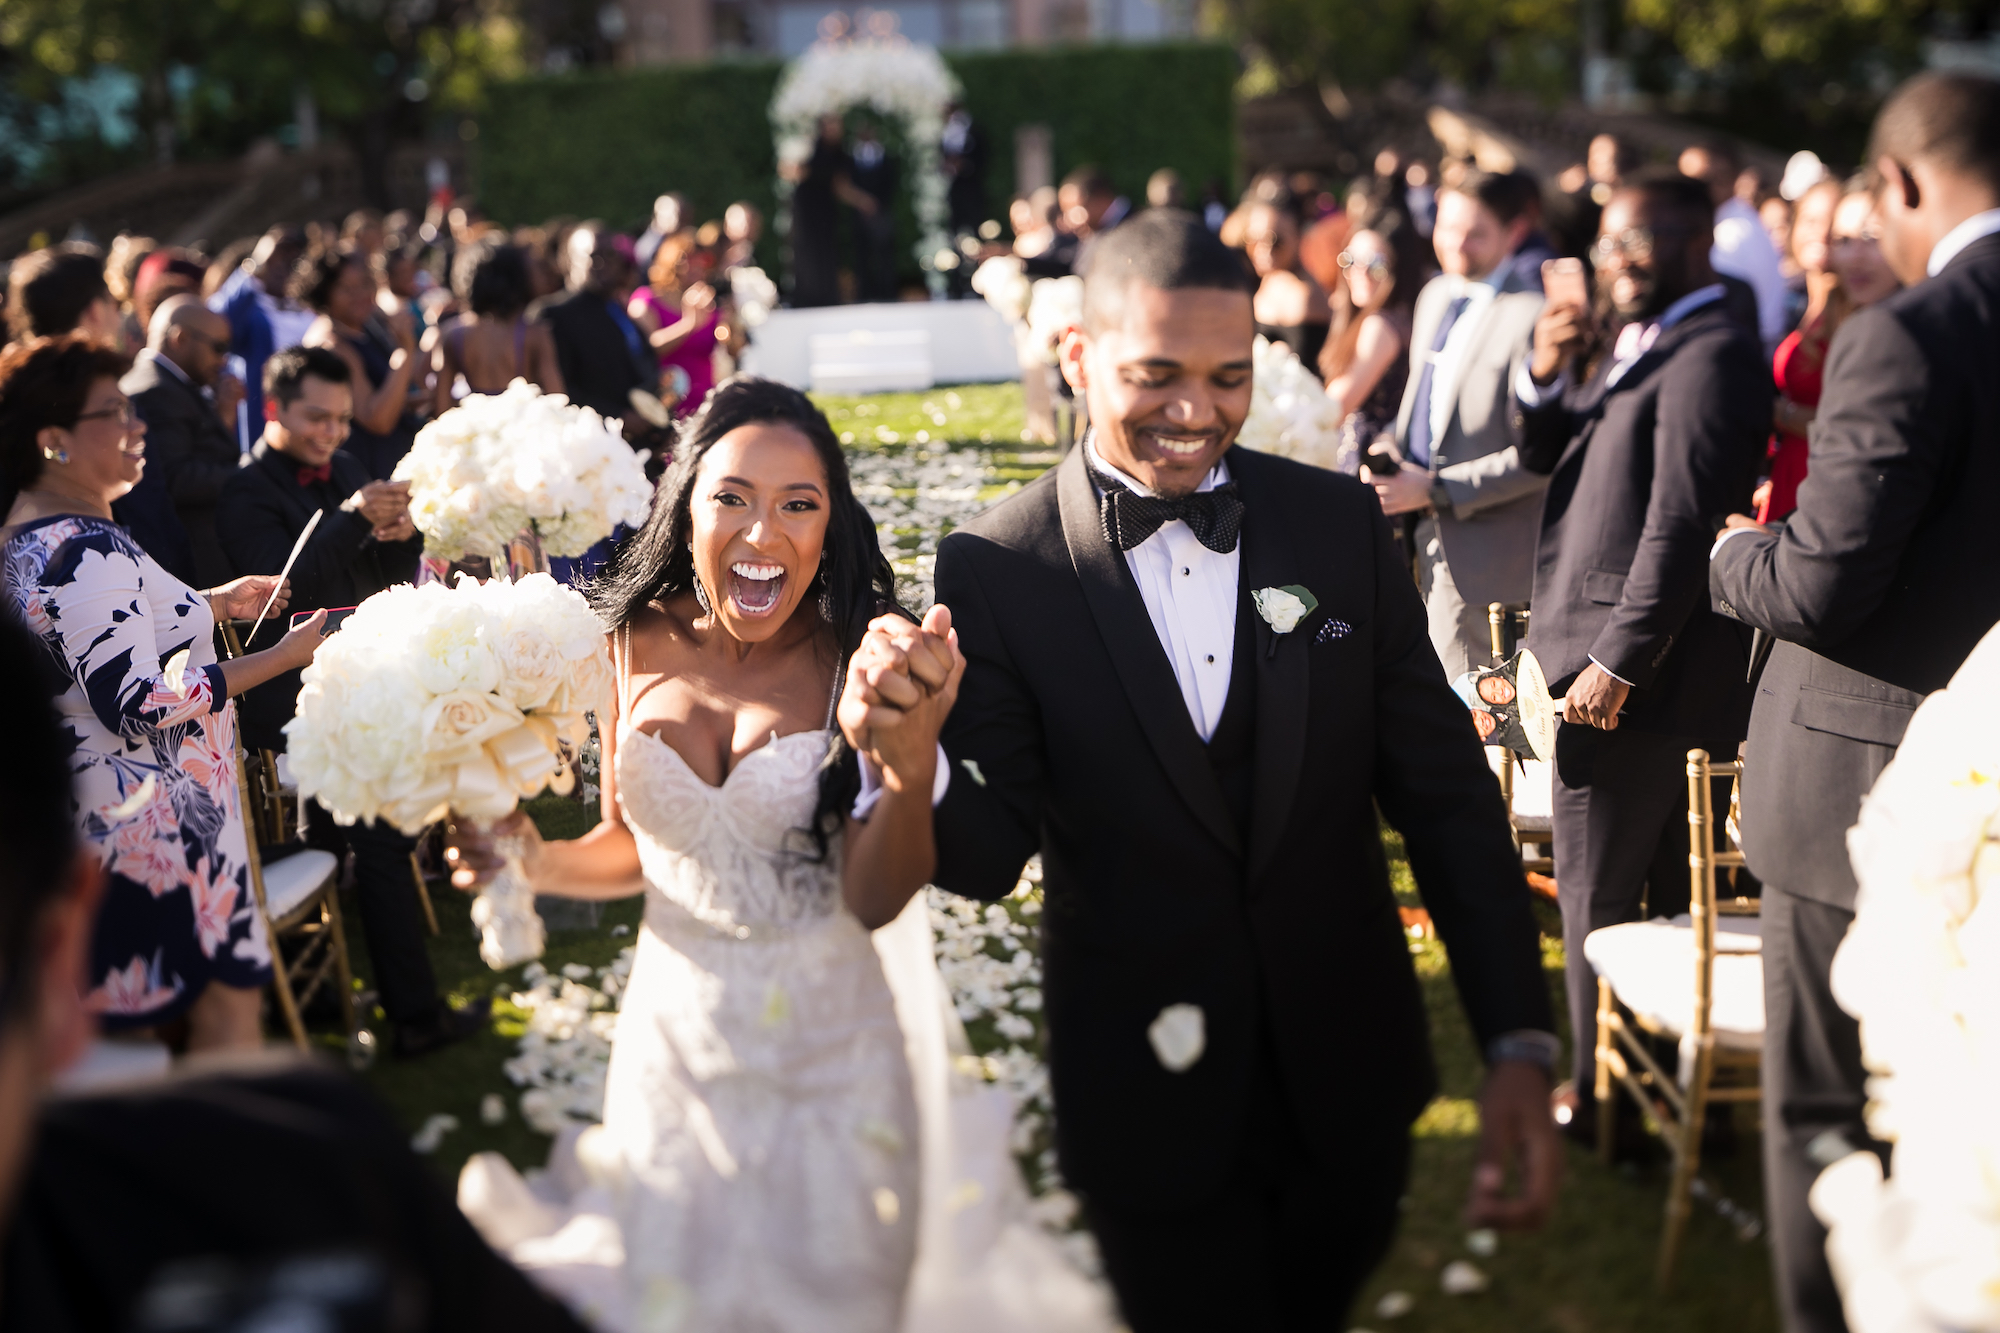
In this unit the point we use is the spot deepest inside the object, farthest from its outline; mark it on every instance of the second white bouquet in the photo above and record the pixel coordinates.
(464, 700)
(499, 464)
(1290, 413)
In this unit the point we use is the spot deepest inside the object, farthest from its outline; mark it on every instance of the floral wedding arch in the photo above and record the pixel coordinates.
(892, 76)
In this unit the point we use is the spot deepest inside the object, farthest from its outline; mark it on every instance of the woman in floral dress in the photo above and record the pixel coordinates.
(134, 672)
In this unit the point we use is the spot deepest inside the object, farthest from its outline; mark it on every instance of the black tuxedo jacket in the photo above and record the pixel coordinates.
(1884, 577)
(194, 453)
(1071, 735)
(263, 511)
(599, 368)
(1642, 474)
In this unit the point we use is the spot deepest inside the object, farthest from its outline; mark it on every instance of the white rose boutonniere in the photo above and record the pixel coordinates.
(1283, 608)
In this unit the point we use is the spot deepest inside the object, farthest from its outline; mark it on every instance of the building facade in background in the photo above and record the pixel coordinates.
(653, 32)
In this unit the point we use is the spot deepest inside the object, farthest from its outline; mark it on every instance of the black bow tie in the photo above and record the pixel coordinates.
(1215, 517)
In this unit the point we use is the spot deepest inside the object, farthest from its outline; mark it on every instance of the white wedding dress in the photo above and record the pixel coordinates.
(763, 1165)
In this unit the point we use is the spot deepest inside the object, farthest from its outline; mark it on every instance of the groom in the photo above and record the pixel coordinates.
(1237, 1038)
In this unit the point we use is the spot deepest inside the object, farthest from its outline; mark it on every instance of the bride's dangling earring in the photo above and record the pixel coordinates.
(700, 593)
(826, 586)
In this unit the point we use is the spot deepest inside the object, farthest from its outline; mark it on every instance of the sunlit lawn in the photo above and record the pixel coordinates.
(1589, 1271)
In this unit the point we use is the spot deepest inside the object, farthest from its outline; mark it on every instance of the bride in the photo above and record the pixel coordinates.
(762, 1163)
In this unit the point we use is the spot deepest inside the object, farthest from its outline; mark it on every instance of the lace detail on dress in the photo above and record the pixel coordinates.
(735, 859)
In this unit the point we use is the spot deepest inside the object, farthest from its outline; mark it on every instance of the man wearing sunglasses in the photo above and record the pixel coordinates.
(1648, 414)
(188, 448)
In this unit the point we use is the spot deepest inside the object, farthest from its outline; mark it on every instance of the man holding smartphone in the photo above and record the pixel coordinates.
(1459, 474)
(364, 542)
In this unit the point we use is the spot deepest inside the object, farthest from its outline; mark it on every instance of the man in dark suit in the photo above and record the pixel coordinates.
(186, 442)
(1877, 587)
(364, 542)
(1196, 732)
(602, 353)
(1643, 453)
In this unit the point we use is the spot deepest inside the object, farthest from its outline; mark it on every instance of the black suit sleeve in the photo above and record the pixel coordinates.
(988, 824)
(1434, 787)
(1878, 449)
(173, 435)
(257, 530)
(1545, 433)
(1714, 416)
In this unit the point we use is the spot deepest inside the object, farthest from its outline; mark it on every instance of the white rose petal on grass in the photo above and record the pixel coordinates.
(1462, 1278)
(492, 1109)
(1179, 1035)
(1483, 1243)
(431, 1134)
(1394, 1305)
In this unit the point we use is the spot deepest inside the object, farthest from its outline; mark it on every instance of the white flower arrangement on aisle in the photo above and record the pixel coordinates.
(1055, 306)
(1003, 280)
(1290, 413)
(893, 77)
(464, 700)
(499, 464)
(755, 294)
(1920, 969)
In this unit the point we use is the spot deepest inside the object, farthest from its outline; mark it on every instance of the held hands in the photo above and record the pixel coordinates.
(474, 859)
(1515, 1126)
(1560, 334)
(901, 685)
(385, 504)
(1595, 698)
(242, 599)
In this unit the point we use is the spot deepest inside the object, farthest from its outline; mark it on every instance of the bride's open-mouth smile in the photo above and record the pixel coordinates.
(756, 587)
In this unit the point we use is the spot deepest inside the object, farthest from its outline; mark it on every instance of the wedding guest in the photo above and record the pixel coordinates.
(1743, 248)
(1091, 206)
(1845, 272)
(742, 227)
(1290, 307)
(188, 447)
(1039, 238)
(1204, 793)
(1165, 189)
(1665, 431)
(1474, 504)
(1877, 588)
(339, 287)
(365, 541)
(600, 353)
(121, 276)
(963, 152)
(681, 320)
(316, 1167)
(875, 174)
(164, 273)
(493, 343)
(362, 231)
(262, 317)
(59, 290)
(668, 220)
(1366, 363)
(144, 702)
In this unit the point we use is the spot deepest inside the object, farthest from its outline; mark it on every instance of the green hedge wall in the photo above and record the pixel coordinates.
(604, 144)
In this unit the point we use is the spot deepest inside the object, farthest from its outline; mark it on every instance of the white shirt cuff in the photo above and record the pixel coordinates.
(871, 784)
(1609, 672)
(1716, 549)
(1532, 394)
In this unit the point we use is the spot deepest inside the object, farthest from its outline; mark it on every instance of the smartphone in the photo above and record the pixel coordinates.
(335, 617)
(1565, 282)
(1382, 462)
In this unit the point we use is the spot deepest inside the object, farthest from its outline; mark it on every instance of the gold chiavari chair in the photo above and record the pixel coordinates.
(1697, 981)
(297, 895)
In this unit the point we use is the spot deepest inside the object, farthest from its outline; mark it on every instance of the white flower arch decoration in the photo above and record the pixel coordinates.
(894, 77)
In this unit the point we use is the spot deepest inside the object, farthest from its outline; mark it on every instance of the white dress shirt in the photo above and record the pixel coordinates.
(1974, 228)
(1448, 362)
(1190, 593)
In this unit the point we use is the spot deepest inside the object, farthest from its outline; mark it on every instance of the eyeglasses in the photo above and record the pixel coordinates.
(124, 414)
(1375, 266)
(1634, 243)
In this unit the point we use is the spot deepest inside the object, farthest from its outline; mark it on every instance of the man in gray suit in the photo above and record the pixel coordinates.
(1477, 509)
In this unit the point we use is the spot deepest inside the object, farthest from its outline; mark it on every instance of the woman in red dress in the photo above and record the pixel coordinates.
(1834, 241)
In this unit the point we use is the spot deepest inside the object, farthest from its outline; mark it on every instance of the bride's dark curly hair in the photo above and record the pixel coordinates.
(853, 585)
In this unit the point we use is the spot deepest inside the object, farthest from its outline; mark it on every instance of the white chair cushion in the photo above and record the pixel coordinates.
(289, 882)
(1650, 965)
(1534, 792)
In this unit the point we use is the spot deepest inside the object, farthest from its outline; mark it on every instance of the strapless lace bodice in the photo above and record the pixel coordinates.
(735, 860)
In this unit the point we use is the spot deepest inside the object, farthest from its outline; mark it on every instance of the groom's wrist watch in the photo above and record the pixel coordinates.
(1537, 1048)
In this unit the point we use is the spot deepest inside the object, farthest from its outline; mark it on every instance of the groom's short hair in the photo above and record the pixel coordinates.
(1165, 248)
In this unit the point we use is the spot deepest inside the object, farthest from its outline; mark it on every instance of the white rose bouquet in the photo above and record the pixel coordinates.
(1290, 414)
(496, 465)
(1920, 969)
(437, 699)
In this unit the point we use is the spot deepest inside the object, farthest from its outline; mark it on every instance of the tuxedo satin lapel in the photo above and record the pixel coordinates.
(1283, 680)
(1143, 669)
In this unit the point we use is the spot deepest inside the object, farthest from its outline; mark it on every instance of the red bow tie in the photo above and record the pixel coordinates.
(309, 475)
